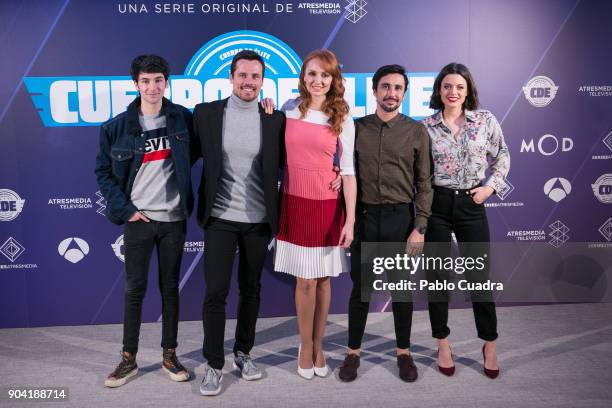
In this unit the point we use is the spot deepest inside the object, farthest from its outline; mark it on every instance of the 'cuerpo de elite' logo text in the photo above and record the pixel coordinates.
(91, 100)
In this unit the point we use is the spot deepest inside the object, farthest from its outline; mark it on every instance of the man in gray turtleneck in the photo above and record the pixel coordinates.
(240, 195)
(242, 148)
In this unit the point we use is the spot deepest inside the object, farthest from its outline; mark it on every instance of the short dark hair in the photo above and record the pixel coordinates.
(386, 70)
(471, 100)
(150, 64)
(247, 55)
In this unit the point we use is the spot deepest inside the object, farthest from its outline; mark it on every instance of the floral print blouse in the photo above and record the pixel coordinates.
(461, 163)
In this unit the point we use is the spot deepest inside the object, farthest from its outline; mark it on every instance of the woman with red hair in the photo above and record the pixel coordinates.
(316, 224)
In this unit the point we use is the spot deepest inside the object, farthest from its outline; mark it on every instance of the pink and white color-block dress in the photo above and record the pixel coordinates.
(311, 214)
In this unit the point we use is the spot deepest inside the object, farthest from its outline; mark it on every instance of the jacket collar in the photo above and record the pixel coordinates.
(133, 109)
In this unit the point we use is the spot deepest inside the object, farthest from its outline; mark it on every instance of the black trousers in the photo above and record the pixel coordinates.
(377, 223)
(139, 239)
(455, 211)
(222, 238)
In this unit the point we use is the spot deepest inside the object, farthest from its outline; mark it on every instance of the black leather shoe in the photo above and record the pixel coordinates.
(348, 369)
(407, 370)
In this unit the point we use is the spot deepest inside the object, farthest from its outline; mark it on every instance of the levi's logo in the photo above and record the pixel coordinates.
(156, 149)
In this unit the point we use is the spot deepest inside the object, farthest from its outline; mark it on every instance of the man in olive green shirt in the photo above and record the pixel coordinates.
(392, 161)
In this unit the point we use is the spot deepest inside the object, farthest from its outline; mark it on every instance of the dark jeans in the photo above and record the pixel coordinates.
(139, 239)
(222, 237)
(377, 223)
(455, 211)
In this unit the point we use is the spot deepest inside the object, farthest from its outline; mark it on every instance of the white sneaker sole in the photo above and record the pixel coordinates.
(246, 377)
(214, 392)
(118, 383)
(176, 377)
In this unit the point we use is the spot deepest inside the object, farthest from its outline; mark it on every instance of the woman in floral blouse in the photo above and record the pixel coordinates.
(465, 143)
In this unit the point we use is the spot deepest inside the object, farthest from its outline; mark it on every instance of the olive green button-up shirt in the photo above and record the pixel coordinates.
(393, 163)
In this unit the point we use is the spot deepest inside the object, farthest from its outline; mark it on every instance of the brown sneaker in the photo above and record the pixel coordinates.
(126, 369)
(173, 367)
(348, 369)
(407, 370)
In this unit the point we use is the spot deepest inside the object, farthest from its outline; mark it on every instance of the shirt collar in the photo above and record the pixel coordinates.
(470, 115)
(438, 119)
(390, 124)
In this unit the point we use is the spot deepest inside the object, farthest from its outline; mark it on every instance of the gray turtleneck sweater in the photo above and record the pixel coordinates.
(240, 194)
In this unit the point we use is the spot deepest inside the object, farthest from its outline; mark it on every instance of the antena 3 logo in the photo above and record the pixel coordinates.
(89, 101)
(73, 249)
(540, 91)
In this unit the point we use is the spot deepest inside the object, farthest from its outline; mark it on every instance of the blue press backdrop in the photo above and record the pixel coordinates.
(66, 68)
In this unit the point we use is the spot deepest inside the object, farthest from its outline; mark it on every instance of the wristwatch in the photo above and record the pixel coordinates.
(422, 230)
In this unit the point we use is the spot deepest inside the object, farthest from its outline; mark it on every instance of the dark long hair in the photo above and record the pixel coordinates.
(471, 100)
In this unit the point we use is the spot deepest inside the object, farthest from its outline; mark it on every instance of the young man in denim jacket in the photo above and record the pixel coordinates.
(143, 170)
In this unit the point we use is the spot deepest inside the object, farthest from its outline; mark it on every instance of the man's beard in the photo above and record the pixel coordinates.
(389, 109)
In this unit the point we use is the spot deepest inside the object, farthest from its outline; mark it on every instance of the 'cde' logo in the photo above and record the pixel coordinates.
(602, 188)
(118, 248)
(11, 205)
(540, 91)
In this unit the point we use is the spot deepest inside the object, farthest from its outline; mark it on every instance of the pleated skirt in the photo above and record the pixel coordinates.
(311, 221)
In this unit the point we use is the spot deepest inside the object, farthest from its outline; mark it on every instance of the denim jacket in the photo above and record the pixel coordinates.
(121, 153)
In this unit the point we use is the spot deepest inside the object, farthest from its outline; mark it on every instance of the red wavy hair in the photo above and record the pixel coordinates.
(335, 107)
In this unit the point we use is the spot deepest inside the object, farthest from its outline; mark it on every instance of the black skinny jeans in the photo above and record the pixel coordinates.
(378, 223)
(455, 211)
(222, 237)
(139, 239)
